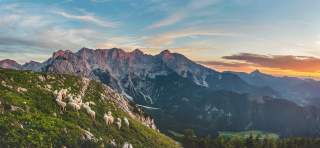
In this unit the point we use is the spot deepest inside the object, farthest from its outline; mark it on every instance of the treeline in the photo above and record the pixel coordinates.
(191, 141)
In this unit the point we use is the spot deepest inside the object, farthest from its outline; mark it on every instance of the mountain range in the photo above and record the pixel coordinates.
(301, 91)
(181, 94)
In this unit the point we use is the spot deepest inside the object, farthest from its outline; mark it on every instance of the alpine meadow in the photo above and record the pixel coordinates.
(160, 74)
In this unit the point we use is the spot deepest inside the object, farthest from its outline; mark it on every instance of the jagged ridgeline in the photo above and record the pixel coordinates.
(32, 116)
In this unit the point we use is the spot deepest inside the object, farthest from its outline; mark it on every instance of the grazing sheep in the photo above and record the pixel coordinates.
(86, 106)
(108, 118)
(127, 145)
(55, 92)
(76, 101)
(92, 103)
(78, 107)
(62, 104)
(126, 121)
(21, 89)
(92, 114)
(64, 91)
(59, 98)
(74, 106)
(118, 123)
(41, 78)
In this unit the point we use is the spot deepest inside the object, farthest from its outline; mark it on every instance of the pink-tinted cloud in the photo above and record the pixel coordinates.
(285, 62)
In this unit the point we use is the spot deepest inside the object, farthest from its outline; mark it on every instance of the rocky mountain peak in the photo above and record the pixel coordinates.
(61, 53)
(256, 72)
(137, 52)
(9, 64)
(166, 55)
(165, 52)
(84, 49)
(32, 65)
(8, 61)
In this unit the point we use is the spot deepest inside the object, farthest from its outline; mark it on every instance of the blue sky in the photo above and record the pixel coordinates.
(203, 30)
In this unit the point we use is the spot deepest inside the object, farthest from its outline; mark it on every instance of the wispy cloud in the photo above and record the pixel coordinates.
(89, 18)
(182, 13)
(168, 38)
(175, 17)
(23, 31)
(228, 66)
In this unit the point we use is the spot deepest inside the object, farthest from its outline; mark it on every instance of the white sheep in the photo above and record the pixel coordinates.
(86, 106)
(55, 92)
(59, 98)
(118, 123)
(92, 103)
(127, 145)
(75, 106)
(126, 121)
(77, 101)
(64, 91)
(21, 89)
(108, 118)
(62, 104)
(92, 114)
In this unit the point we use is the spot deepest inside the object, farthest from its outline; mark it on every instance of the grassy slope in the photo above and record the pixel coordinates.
(41, 128)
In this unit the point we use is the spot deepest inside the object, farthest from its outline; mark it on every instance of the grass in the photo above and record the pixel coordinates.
(39, 123)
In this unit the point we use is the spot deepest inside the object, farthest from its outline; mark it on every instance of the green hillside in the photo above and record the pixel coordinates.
(30, 116)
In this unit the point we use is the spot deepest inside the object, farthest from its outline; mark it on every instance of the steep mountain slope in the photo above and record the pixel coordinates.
(185, 105)
(31, 115)
(301, 91)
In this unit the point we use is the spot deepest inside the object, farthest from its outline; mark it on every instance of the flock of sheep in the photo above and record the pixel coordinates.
(63, 98)
(76, 103)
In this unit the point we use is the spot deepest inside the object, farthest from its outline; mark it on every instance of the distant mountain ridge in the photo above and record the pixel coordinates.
(301, 91)
(10, 64)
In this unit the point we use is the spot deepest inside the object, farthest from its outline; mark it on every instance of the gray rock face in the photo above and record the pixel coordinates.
(127, 72)
(133, 73)
(32, 65)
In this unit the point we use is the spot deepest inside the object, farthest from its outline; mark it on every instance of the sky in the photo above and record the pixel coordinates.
(279, 37)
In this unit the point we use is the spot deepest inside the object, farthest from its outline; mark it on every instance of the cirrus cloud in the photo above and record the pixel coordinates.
(183, 13)
(88, 18)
